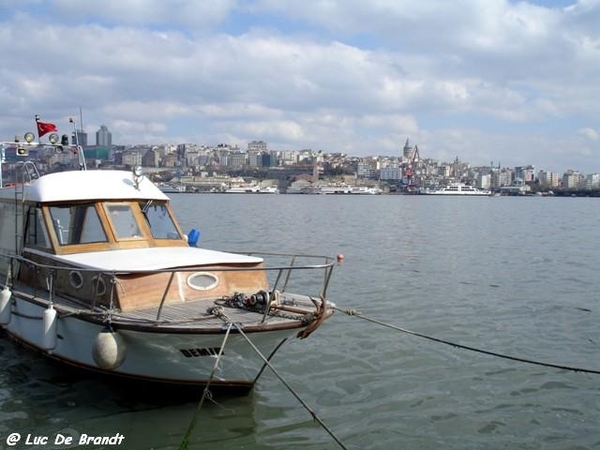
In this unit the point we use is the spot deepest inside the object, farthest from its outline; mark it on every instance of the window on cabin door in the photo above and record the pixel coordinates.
(36, 233)
(77, 224)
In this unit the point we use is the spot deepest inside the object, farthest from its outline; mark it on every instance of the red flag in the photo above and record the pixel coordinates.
(44, 127)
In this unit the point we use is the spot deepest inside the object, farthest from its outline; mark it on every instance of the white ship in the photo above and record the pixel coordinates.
(458, 189)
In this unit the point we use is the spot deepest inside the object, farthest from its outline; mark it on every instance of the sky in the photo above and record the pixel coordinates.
(488, 81)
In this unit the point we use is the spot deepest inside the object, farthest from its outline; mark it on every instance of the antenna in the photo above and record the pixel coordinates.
(80, 154)
(2, 161)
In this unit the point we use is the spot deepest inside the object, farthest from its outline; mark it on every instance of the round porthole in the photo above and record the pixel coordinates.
(202, 281)
(98, 285)
(75, 279)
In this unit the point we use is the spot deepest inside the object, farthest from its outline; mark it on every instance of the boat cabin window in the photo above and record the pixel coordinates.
(159, 220)
(123, 221)
(77, 224)
(37, 235)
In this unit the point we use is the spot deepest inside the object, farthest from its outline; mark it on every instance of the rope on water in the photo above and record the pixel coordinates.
(311, 412)
(355, 313)
(205, 394)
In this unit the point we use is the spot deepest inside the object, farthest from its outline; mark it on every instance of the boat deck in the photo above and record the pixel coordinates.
(197, 314)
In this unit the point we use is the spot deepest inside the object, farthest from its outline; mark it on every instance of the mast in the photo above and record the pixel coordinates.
(80, 154)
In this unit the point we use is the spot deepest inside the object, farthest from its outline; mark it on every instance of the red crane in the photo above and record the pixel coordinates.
(409, 168)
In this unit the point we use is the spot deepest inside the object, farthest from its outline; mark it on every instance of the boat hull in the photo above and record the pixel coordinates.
(187, 358)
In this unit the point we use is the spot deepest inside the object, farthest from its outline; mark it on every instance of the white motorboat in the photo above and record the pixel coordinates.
(243, 189)
(171, 189)
(458, 189)
(269, 190)
(366, 190)
(333, 189)
(98, 274)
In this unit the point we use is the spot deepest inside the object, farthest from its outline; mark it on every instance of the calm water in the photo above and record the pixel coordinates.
(510, 275)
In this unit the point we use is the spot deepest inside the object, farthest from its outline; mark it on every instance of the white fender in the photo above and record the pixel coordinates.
(5, 306)
(109, 350)
(50, 324)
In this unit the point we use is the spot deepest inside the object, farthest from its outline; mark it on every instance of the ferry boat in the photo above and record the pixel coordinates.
(269, 190)
(333, 189)
(172, 189)
(366, 190)
(243, 189)
(458, 189)
(98, 274)
(251, 189)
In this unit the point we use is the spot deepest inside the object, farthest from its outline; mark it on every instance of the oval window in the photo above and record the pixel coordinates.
(75, 279)
(202, 281)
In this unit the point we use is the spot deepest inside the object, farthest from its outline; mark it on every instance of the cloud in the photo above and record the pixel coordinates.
(479, 80)
(590, 133)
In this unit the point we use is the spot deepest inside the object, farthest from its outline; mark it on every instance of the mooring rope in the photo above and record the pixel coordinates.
(205, 394)
(355, 313)
(311, 412)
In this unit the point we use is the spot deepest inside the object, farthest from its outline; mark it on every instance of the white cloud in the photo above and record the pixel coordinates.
(479, 80)
(590, 133)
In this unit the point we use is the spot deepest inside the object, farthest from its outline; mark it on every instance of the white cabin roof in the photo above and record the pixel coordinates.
(80, 185)
(155, 258)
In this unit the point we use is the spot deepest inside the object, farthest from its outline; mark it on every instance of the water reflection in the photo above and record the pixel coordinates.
(43, 398)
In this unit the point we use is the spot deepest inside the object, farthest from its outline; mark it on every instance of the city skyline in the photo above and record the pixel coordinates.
(405, 152)
(507, 81)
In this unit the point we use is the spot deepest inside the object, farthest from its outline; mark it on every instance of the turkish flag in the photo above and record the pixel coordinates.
(44, 128)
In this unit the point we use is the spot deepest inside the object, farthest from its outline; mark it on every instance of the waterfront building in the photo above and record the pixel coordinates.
(169, 160)
(254, 158)
(459, 170)
(97, 152)
(257, 146)
(367, 168)
(191, 157)
(572, 179)
(502, 177)
(79, 137)
(236, 160)
(444, 170)
(150, 159)
(484, 181)
(132, 157)
(390, 174)
(62, 159)
(592, 181)
(289, 157)
(549, 179)
(268, 159)
(103, 137)
(525, 173)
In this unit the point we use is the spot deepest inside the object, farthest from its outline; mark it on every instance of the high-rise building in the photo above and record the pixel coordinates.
(571, 179)
(103, 137)
(525, 173)
(79, 137)
(548, 179)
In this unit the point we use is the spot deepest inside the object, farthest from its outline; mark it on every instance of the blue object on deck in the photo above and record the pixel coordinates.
(193, 237)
